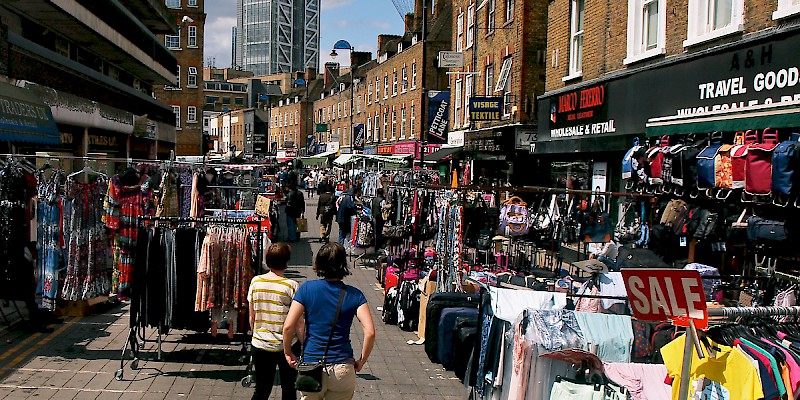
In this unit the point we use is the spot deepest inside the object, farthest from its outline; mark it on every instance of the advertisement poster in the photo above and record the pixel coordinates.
(438, 116)
(599, 180)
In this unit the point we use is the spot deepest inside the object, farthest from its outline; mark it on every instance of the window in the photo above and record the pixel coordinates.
(503, 77)
(647, 20)
(458, 103)
(411, 134)
(178, 78)
(191, 114)
(576, 40)
(369, 94)
(369, 130)
(192, 3)
(394, 83)
(786, 8)
(172, 42)
(460, 32)
(377, 128)
(490, 17)
(226, 100)
(239, 101)
(394, 124)
(405, 79)
(488, 80)
(177, 111)
(191, 79)
(386, 86)
(507, 98)
(467, 95)
(385, 123)
(173, 3)
(509, 10)
(377, 89)
(358, 105)
(470, 24)
(414, 75)
(711, 19)
(192, 38)
(403, 122)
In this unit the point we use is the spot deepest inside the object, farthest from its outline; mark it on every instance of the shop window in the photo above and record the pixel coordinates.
(647, 21)
(192, 36)
(173, 42)
(711, 19)
(177, 111)
(191, 78)
(786, 8)
(470, 25)
(191, 114)
(576, 40)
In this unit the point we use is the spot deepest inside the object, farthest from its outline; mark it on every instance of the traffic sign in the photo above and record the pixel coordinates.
(666, 294)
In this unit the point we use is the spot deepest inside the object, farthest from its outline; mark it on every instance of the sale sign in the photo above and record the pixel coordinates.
(666, 294)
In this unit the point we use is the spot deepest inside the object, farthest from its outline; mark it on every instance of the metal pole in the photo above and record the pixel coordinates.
(686, 368)
(423, 105)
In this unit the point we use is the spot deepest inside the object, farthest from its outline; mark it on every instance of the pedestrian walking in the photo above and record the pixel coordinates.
(346, 208)
(326, 210)
(329, 306)
(295, 208)
(270, 297)
(377, 205)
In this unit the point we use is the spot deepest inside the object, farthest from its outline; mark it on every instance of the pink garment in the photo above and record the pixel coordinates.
(521, 366)
(643, 381)
(794, 368)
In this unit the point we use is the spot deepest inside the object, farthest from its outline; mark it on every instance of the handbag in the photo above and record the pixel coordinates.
(262, 206)
(760, 230)
(309, 375)
(628, 228)
(302, 225)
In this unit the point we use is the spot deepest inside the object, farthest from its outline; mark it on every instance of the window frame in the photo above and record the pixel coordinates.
(470, 25)
(491, 9)
(394, 83)
(468, 81)
(786, 9)
(191, 37)
(189, 113)
(176, 4)
(412, 120)
(191, 75)
(177, 111)
(457, 113)
(169, 38)
(191, 3)
(404, 78)
(637, 49)
(505, 72)
(488, 79)
(403, 121)
(700, 27)
(509, 11)
(575, 68)
(460, 32)
(414, 75)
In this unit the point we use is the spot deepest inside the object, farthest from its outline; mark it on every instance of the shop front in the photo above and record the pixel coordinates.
(25, 119)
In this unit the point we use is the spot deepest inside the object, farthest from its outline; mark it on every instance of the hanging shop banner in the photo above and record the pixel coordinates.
(666, 294)
(359, 137)
(485, 108)
(438, 116)
(311, 145)
(762, 70)
(451, 59)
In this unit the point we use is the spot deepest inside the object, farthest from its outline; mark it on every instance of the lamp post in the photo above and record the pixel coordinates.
(345, 45)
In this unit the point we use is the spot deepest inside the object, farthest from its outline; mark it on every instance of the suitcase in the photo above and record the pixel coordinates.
(393, 277)
(448, 332)
(389, 313)
(408, 306)
(437, 303)
(465, 343)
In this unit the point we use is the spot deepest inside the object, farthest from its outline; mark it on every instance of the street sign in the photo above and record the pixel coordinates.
(451, 59)
(666, 294)
(322, 128)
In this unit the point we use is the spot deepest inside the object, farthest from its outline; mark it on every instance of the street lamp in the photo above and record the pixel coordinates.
(345, 45)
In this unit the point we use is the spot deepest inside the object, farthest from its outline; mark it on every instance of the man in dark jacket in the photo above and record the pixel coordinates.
(347, 208)
(376, 209)
(295, 208)
(326, 210)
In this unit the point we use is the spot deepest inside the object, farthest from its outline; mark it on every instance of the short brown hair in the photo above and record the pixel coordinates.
(331, 262)
(278, 256)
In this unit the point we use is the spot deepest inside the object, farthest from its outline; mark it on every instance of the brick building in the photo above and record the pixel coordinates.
(691, 66)
(503, 43)
(186, 96)
(290, 116)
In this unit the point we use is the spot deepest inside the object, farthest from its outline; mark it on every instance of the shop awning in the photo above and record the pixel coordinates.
(318, 159)
(344, 159)
(776, 115)
(396, 159)
(25, 118)
(443, 153)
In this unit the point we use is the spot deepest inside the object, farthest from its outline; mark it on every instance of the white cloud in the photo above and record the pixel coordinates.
(330, 4)
(218, 39)
(383, 25)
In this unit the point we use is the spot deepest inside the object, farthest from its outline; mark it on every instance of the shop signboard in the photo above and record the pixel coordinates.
(451, 59)
(666, 294)
(523, 138)
(438, 116)
(385, 149)
(292, 153)
(332, 146)
(485, 108)
(370, 150)
(455, 138)
(358, 137)
(491, 141)
(104, 142)
(756, 72)
(405, 148)
(322, 128)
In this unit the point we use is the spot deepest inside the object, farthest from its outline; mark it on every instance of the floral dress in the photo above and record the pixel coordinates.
(51, 252)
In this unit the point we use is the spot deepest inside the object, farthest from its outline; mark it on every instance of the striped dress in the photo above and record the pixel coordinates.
(271, 297)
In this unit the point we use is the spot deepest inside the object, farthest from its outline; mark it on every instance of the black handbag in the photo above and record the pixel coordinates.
(760, 230)
(707, 226)
(639, 258)
(309, 375)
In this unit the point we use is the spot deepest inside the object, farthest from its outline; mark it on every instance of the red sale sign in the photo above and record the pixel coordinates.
(666, 294)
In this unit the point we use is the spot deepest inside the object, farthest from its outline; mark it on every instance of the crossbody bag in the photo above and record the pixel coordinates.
(309, 375)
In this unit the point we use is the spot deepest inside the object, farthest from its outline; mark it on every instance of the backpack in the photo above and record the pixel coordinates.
(630, 165)
(672, 212)
(785, 161)
(758, 168)
(706, 171)
(514, 217)
(723, 168)
(687, 221)
(739, 157)
(655, 161)
(684, 166)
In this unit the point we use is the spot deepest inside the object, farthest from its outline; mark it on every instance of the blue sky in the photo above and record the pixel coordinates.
(357, 21)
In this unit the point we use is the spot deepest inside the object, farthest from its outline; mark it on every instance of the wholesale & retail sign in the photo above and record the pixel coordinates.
(581, 112)
(666, 294)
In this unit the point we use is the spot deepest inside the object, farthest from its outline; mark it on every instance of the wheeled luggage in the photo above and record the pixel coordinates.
(437, 303)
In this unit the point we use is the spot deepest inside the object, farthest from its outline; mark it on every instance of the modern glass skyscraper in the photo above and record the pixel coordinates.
(277, 36)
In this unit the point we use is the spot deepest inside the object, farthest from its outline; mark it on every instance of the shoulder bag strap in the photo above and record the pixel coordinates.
(333, 324)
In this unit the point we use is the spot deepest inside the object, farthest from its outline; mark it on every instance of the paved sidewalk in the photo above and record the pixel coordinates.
(79, 359)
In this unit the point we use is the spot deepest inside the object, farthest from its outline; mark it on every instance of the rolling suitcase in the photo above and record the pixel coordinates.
(465, 344)
(448, 332)
(437, 303)
(408, 306)
(389, 313)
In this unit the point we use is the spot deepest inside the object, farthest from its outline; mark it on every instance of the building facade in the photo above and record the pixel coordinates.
(277, 36)
(88, 70)
(503, 44)
(291, 123)
(186, 96)
(658, 71)
(225, 96)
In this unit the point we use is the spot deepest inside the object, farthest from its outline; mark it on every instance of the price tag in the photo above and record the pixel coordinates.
(683, 242)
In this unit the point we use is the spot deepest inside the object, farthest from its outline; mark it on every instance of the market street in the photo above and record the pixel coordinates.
(79, 359)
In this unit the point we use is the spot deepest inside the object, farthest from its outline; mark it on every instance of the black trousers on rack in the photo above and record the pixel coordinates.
(265, 363)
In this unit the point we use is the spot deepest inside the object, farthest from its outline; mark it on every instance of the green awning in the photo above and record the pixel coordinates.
(777, 115)
(25, 118)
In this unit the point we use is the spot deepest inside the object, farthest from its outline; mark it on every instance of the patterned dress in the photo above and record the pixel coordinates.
(49, 239)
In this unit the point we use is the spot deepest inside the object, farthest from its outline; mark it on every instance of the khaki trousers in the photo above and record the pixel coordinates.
(338, 383)
(325, 229)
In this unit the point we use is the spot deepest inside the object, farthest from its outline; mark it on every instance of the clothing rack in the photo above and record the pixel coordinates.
(535, 189)
(138, 332)
(735, 312)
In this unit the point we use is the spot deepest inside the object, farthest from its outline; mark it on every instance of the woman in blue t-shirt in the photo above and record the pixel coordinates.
(317, 301)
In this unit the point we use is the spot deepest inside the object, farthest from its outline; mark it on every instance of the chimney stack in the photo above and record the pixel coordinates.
(359, 58)
(311, 74)
(331, 72)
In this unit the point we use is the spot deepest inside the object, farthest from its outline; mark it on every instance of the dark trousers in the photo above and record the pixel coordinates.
(379, 223)
(265, 363)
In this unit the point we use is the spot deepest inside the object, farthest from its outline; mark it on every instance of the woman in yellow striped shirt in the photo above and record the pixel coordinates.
(270, 297)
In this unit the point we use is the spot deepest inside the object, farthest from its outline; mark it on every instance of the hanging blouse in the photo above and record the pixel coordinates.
(168, 202)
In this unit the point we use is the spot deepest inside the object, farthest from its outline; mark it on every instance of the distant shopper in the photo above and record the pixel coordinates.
(295, 208)
(346, 208)
(377, 205)
(270, 298)
(326, 210)
(318, 301)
